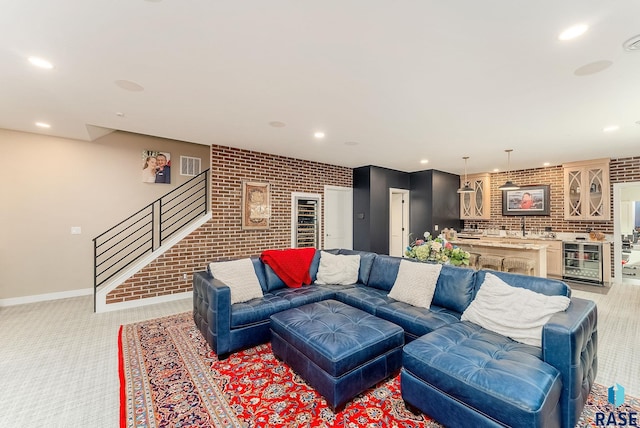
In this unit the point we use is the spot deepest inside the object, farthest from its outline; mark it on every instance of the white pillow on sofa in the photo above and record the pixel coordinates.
(241, 278)
(416, 283)
(338, 269)
(514, 312)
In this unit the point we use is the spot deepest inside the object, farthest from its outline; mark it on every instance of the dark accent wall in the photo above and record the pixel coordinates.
(371, 186)
(433, 200)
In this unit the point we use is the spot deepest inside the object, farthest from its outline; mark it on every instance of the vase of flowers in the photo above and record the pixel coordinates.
(437, 250)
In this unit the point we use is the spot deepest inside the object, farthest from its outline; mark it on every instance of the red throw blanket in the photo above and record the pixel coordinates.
(292, 266)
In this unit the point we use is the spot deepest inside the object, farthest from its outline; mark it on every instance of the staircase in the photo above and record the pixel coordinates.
(133, 243)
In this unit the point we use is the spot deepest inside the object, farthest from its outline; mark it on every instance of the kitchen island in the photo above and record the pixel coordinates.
(536, 252)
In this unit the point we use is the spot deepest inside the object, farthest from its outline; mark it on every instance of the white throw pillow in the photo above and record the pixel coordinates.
(416, 283)
(338, 269)
(241, 278)
(514, 312)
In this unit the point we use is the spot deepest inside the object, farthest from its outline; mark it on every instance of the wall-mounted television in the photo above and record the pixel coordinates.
(527, 200)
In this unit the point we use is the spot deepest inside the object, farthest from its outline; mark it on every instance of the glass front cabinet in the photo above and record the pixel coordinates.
(586, 187)
(476, 205)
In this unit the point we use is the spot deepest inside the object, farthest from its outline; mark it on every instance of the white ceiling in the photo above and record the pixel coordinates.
(405, 80)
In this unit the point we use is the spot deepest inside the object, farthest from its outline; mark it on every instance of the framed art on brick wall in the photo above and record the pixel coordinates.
(256, 205)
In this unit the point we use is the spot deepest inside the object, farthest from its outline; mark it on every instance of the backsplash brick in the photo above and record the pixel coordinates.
(221, 238)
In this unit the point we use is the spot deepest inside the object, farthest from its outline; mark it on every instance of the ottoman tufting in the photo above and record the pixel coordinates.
(337, 349)
(499, 381)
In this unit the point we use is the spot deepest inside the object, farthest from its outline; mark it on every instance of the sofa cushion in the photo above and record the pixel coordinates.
(305, 294)
(258, 266)
(515, 312)
(240, 276)
(272, 279)
(500, 378)
(291, 265)
(257, 310)
(455, 288)
(338, 269)
(549, 287)
(274, 282)
(366, 262)
(363, 297)
(415, 283)
(384, 272)
(315, 263)
(416, 321)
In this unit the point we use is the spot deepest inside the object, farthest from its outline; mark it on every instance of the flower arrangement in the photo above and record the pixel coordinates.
(437, 250)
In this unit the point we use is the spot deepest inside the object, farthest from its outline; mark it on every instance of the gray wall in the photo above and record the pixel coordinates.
(433, 200)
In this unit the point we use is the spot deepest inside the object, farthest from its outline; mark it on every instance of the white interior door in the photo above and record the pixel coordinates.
(338, 217)
(398, 221)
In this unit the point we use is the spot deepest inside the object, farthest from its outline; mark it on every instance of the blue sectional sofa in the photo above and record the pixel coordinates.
(455, 371)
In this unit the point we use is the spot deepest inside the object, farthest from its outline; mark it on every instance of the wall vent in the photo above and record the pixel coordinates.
(189, 166)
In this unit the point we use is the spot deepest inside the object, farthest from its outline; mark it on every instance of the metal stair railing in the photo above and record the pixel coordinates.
(147, 229)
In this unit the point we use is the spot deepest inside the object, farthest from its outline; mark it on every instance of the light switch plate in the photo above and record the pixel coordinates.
(76, 230)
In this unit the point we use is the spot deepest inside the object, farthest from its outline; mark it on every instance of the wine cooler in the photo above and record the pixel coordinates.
(307, 217)
(582, 261)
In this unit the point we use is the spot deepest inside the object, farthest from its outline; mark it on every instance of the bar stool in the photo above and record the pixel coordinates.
(519, 265)
(473, 260)
(490, 261)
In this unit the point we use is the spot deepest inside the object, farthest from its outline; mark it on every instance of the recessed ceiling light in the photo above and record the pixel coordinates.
(593, 67)
(573, 32)
(43, 125)
(277, 124)
(610, 128)
(496, 169)
(128, 85)
(318, 134)
(423, 161)
(39, 62)
(546, 164)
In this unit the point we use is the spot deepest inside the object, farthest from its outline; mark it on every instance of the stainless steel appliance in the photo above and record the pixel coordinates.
(582, 261)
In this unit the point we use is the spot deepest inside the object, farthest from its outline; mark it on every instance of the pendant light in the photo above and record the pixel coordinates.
(466, 188)
(509, 185)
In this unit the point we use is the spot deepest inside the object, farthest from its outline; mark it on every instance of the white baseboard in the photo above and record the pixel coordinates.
(102, 307)
(45, 297)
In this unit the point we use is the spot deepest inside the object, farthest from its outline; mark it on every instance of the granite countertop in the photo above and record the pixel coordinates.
(482, 243)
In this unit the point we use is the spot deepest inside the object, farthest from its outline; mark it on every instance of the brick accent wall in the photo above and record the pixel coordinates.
(624, 170)
(621, 170)
(553, 176)
(221, 237)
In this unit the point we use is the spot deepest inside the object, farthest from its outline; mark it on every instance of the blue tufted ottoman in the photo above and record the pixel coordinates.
(337, 349)
(464, 375)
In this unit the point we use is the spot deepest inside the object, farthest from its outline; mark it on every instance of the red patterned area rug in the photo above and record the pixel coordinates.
(169, 377)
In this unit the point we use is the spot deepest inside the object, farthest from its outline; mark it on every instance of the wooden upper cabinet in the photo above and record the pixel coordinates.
(586, 190)
(476, 205)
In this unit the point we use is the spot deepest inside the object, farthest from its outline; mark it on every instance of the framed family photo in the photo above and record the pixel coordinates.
(256, 205)
(156, 167)
(527, 200)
